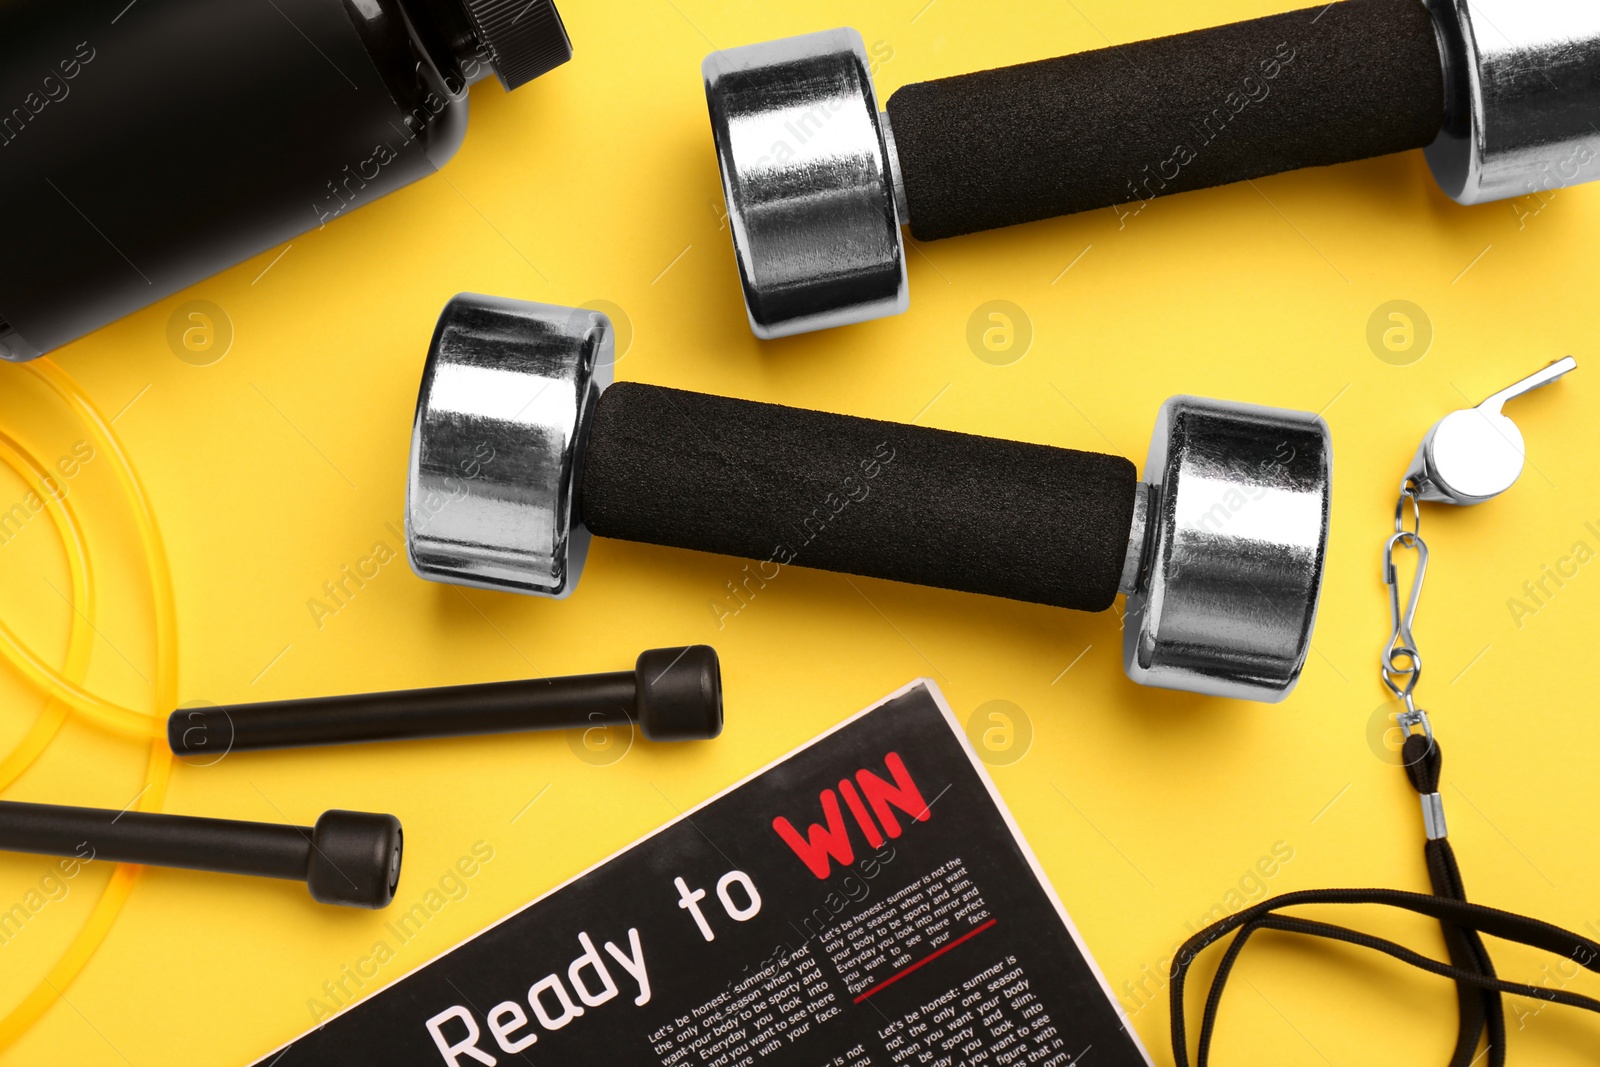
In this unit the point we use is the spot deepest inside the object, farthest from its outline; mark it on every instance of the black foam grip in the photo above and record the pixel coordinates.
(1324, 85)
(787, 486)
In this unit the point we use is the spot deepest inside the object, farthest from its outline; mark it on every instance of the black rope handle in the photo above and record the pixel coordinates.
(1478, 989)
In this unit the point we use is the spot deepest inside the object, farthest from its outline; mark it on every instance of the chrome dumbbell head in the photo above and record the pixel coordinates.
(1229, 536)
(807, 168)
(502, 414)
(1522, 79)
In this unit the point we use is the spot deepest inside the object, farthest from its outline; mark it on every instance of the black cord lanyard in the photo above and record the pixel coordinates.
(1478, 989)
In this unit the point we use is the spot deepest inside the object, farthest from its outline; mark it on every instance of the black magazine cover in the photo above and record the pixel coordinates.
(866, 901)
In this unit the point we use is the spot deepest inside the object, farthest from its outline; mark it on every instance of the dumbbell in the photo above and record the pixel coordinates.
(349, 857)
(1502, 94)
(674, 694)
(520, 452)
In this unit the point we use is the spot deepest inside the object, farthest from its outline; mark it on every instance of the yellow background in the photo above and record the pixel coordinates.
(284, 461)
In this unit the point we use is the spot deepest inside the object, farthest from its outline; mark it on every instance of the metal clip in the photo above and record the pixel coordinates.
(1475, 454)
(1413, 717)
(1401, 677)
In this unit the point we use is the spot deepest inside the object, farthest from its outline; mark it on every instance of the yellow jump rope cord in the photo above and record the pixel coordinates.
(65, 693)
(79, 644)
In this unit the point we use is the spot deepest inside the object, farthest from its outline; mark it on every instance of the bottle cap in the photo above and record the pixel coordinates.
(524, 38)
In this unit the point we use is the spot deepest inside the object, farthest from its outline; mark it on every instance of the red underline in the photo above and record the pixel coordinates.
(892, 979)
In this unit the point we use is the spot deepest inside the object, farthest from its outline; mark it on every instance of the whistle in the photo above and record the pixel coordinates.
(1475, 454)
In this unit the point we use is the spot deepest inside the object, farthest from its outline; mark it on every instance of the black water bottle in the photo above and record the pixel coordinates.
(147, 144)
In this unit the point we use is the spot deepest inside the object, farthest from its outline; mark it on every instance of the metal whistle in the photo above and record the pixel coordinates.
(1475, 454)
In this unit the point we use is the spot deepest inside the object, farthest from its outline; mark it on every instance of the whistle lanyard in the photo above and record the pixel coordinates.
(1479, 991)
